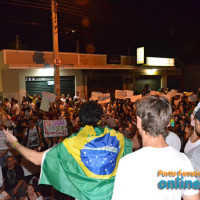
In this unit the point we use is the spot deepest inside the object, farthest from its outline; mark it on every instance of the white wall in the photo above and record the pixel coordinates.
(14, 80)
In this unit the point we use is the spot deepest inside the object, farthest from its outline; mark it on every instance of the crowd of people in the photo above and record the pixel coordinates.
(25, 120)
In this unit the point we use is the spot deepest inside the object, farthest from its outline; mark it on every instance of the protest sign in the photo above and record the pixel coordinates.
(55, 128)
(4, 141)
(44, 105)
(155, 93)
(3, 194)
(104, 98)
(95, 95)
(134, 98)
(129, 93)
(167, 96)
(47, 98)
(173, 92)
(120, 94)
(192, 98)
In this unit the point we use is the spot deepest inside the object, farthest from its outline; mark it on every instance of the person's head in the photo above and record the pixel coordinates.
(21, 114)
(23, 98)
(90, 113)
(188, 131)
(29, 189)
(15, 101)
(154, 115)
(31, 123)
(10, 162)
(6, 100)
(197, 120)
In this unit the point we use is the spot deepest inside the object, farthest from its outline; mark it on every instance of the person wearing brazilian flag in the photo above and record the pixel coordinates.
(85, 164)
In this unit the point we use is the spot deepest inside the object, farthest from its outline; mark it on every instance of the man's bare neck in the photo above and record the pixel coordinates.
(151, 141)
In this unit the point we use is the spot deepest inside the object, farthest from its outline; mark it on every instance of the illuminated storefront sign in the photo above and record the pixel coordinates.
(154, 61)
(140, 55)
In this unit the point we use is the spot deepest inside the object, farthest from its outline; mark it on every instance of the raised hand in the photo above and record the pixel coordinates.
(11, 138)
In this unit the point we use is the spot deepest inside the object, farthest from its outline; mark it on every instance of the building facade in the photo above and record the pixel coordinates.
(32, 71)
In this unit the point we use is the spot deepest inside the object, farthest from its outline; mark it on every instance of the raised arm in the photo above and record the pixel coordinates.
(29, 96)
(31, 155)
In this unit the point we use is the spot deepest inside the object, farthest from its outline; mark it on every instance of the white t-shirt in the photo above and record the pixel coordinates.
(32, 106)
(173, 140)
(194, 158)
(63, 100)
(16, 109)
(190, 145)
(137, 174)
(33, 138)
(8, 106)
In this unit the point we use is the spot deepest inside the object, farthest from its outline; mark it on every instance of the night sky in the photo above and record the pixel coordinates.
(166, 28)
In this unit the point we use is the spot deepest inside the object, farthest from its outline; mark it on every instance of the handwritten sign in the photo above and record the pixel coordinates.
(167, 96)
(120, 94)
(95, 95)
(55, 128)
(156, 93)
(134, 98)
(192, 98)
(47, 98)
(104, 98)
(129, 94)
(123, 94)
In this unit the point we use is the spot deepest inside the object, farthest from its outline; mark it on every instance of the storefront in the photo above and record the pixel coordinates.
(32, 71)
(35, 85)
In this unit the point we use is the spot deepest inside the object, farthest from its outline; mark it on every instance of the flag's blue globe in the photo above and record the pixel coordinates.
(100, 154)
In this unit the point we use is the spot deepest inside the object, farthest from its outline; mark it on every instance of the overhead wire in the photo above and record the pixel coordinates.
(22, 22)
(44, 1)
(31, 3)
(25, 5)
(46, 7)
(68, 10)
(71, 10)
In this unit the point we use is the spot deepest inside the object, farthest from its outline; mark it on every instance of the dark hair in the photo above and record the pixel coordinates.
(155, 113)
(90, 113)
(10, 157)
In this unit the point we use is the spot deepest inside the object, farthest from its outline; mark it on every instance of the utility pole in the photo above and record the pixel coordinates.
(17, 42)
(77, 46)
(56, 58)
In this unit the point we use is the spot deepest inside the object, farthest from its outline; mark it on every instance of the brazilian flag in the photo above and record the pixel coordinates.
(84, 166)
